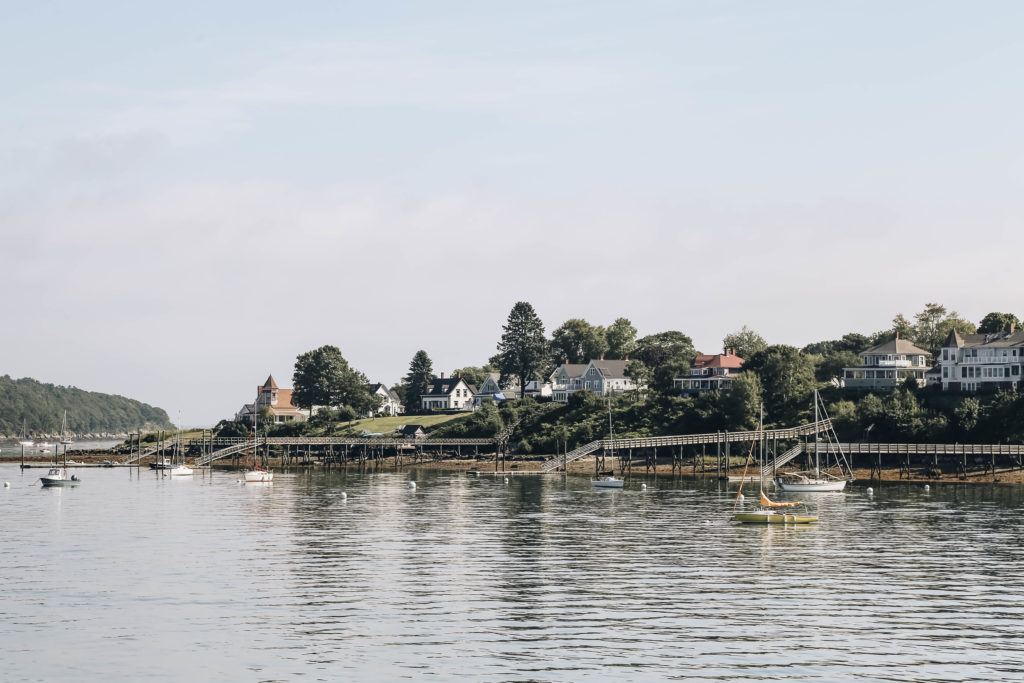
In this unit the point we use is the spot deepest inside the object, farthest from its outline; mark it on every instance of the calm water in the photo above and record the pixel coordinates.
(149, 578)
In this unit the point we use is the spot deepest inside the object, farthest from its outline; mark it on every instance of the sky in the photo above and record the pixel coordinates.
(192, 195)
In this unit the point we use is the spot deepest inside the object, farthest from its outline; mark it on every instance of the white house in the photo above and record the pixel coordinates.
(278, 400)
(389, 402)
(709, 372)
(448, 394)
(490, 388)
(888, 365)
(982, 362)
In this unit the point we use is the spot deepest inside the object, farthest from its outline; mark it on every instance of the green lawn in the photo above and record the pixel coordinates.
(386, 425)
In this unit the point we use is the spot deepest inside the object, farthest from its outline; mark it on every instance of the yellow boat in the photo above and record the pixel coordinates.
(770, 517)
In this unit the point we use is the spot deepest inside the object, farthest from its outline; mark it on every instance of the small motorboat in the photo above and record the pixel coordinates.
(181, 470)
(164, 464)
(607, 483)
(58, 476)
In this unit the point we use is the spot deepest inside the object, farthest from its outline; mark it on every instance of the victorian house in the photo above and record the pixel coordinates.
(982, 362)
(277, 400)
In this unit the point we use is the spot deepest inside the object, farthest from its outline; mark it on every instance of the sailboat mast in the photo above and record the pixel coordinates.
(817, 465)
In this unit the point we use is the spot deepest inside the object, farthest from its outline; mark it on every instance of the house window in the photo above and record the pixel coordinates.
(945, 372)
(945, 354)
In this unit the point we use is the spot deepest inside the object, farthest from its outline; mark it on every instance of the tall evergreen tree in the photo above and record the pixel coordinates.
(421, 374)
(523, 349)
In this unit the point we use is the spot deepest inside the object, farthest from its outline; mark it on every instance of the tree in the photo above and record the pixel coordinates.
(934, 324)
(421, 374)
(324, 378)
(740, 405)
(994, 323)
(902, 327)
(744, 343)
(621, 339)
(832, 364)
(577, 341)
(659, 349)
(474, 375)
(787, 378)
(523, 349)
(641, 375)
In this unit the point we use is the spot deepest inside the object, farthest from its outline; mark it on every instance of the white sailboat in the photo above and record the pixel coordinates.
(820, 480)
(608, 482)
(179, 468)
(256, 474)
(64, 438)
(25, 441)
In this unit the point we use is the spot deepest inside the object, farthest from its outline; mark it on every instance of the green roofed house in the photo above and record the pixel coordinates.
(888, 365)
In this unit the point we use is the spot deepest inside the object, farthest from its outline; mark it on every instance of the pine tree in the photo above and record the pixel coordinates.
(523, 349)
(421, 374)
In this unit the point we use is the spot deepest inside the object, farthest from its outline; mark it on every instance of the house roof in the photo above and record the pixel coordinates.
(445, 386)
(571, 369)
(270, 383)
(410, 430)
(284, 403)
(994, 340)
(374, 388)
(717, 360)
(896, 346)
(611, 369)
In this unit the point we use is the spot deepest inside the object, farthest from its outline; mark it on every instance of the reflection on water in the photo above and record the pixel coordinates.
(139, 575)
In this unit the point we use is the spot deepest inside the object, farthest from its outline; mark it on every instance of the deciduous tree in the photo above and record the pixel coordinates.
(998, 322)
(744, 343)
(621, 338)
(577, 341)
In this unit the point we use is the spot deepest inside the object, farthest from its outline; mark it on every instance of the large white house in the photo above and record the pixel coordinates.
(600, 376)
(709, 372)
(389, 402)
(452, 393)
(888, 365)
(982, 362)
(278, 400)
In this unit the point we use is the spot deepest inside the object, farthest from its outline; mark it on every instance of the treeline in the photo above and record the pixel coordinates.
(38, 408)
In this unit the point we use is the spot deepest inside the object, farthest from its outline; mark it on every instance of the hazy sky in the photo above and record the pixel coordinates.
(192, 194)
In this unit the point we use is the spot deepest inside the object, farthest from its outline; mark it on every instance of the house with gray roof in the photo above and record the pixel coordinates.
(888, 365)
(390, 404)
(603, 377)
(452, 393)
(973, 363)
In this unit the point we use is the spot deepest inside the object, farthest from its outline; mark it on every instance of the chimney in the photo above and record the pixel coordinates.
(1012, 327)
(897, 335)
(602, 356)
(442, 375)
(627, 356)
(566, 361)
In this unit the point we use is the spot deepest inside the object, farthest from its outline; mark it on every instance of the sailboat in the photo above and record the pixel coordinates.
(65, 439)
(820, 480)
(180, 469)
(25, 441)
(58, 474)
(609, 482)
(256, 474)
(769, 510)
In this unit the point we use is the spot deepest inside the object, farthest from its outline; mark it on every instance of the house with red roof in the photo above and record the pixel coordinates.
(278, 400)
(710, 372)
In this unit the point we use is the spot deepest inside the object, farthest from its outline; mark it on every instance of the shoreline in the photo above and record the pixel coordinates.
(534, 466)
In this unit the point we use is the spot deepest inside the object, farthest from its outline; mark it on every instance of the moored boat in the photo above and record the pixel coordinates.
(607, 483)
(58, 476)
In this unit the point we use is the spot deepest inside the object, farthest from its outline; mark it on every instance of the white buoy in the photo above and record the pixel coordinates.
(7, 484)
(506, 480)
(643, 487)
(740, 497)
(238, 481)
(343, 495)
(411, 485)
(927, 488)
(870, 491)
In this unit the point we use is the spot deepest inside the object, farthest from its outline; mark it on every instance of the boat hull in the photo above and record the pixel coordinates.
(813, 486)
(181, 471)
(48, 481)
(773, 518)
(258, 477)
(607, 483)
